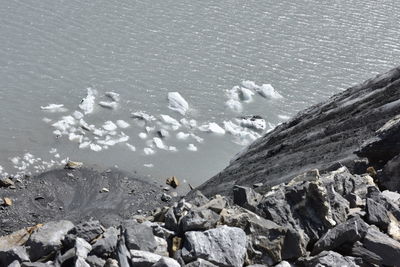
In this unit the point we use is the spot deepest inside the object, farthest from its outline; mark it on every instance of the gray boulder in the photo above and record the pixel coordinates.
(14, 254)
(330, 258)
(14, 264)
(199, 219)
(87, 230)
(377, 214)
(216, 204)
(349, 232)
(47, 238)
(223, 246)
(166, 262)
(200, 263)
(171, 223)
(123, 255)
(390, 175)
(246, 197)
(95, 261)
(82, 248)
(148, 259)
(107, 244)
(139, 237)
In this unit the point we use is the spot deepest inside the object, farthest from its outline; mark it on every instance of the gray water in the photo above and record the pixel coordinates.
(52, 50)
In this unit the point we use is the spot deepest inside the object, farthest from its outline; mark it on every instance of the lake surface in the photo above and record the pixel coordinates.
(51, 51)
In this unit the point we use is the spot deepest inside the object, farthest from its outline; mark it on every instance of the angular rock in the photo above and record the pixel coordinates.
(351, 231)
(143, 258)
(111, 263)
(377, 214)
(14, 264)
(176, 244)
(82, 248)
(162, 246)
(165, 197)
(172, 181)
(358, 250)
(389, 178)
(7, 202)
(80, 262)
(198, 199)
(14, 254)
(216, 204)
(67, 258)
(47, 238)
(200, 263)
(245, 197)
(383, 246)
(95, 261)
(329, 258)
(139, 237)
(171, 223)
(198, 220)
(6, 182)
(87, 230)
(166, 262)
(123, 254)
(107, 244)
(223, 246)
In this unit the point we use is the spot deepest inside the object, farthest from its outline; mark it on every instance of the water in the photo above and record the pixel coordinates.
(52, 50)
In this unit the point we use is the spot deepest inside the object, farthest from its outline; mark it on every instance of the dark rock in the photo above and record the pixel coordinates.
(65, 259)
(6, 182)
(139, 237)
(198, 198)
(172, 181)
(377, 214)
(245, 197)
(171, 223)
(123, 254)
(87, 230)
(16, 253)
(349, 232)
(95, 261)
(315, 138)
(383, 246)
(358, 250)
(389, 178)
(384, 145)
(165, 197)
(198, 220)
(107, 244)
(47, 239)
(223, 246)
(200, 263)
(329, 258)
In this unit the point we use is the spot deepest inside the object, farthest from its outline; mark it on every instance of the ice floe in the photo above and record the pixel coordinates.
(131, 147)
(159, 143)
(177, 103)
(267, 91)
(254, 122)
(171, 121)
(122, 124)
(191, 147)
(148, 165)
(108, 104)
(113, 96)
(109, 126)
(148, 151)
(141, 115)
(87, 103)
(212, 127)
(142, 135)
(245, 94)
(182, 136)
(54, 108)
(95, 147)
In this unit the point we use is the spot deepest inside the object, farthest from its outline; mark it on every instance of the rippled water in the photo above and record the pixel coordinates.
(52, 50)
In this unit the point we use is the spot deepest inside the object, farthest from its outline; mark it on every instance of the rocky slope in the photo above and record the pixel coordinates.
(318, 137)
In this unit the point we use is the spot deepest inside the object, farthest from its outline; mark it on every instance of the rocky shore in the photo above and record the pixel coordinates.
(320, 190)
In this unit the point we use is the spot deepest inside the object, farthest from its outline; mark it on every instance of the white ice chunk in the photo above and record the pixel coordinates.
(284, 117)
(182, 136)
(87, 103)
(77, 115)
(234, 105)
(177, 103)
(53, 150)
(148, 165)
(245, 94)
(254, 122)
(84, 145)
(122, 124)
(99, 132)
(250, 85)
(212, 127)
(148, 151)
(159, 143)
(75, 137)
(149, 129)
(142, 135)
(163, 133)
(95, 147)
(191, 147)
(197, 138)
(141, 115)
(54, 108)
(46, 120)
(57, 156)
(131, 147)
(114, 96)
(267, 91)
(15, 160)
(169, 120)
(64, 124)
(109, 126)
(172, 148)
(108, 104)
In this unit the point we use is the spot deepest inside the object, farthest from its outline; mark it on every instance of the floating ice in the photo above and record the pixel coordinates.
(159, 143)
(149, 129)
(250, 85)
(242, 136)
(131, 147)
(107, 104)
(87, 103)
(188, 123)
(84, 145)
(234, 105)
(142, 135)
(191, 147)
(148, 151)
(122, 124)
(114, 96)
(98, 132)
(64, 124)
(182, 136)
(284, 117)
(53, 150)
(46, 120)
(54, 108)
(162, 133)
(109, 126)
(245, 94)
(141, 115)
(57, 156)
(95, 147)
(148, 165)
(197, 138)
(212, 127)
(253, 122)
(267, 91)
(169, 120)
(77, 115)
(75, 137)
(172, 148)
(177, 103)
